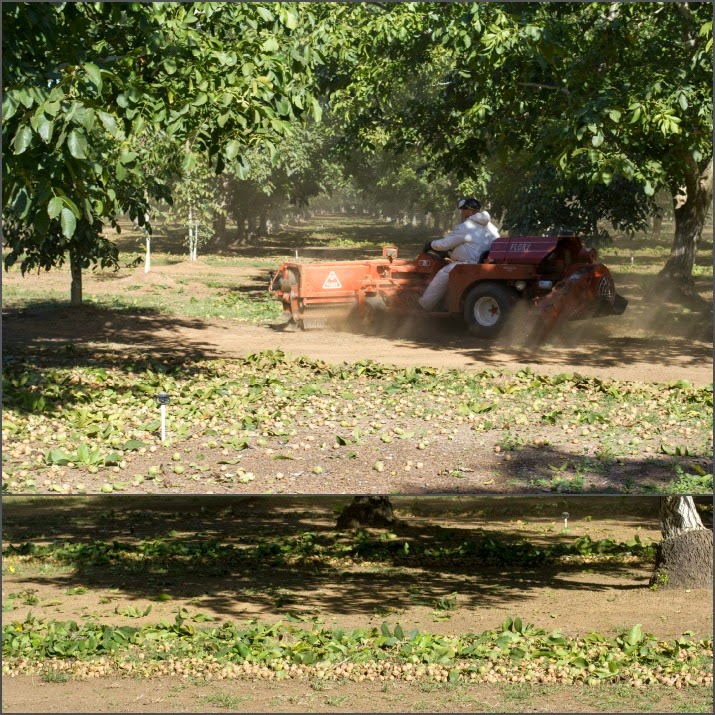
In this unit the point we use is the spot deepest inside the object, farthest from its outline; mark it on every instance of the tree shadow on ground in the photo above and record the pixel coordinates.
(65, 332)
(545, 469)
(251, 564)
(683, 340)
(599, 350)
(577, 344)
(256, 290)
(81, 519)
(274, 588)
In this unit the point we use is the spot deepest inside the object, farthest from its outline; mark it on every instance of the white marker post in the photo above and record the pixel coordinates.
(147, 258)
(163, 400)
(565, 517)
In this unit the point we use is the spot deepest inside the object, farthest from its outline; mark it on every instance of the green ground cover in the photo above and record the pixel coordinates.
(75, 420)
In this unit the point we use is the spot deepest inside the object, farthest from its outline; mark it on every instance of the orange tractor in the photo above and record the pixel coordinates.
(556, 276)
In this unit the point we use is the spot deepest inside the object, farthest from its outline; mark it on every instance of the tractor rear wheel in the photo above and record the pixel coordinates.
(487, 307)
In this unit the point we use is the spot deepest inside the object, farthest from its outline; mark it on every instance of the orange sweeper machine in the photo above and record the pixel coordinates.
(556, 276)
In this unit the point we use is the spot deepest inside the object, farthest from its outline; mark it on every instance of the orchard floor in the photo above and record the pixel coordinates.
(576, 597)
(29, 694)
(655, 340)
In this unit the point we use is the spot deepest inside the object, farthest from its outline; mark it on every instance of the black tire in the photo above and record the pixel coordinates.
(373, 318)
(487, 307)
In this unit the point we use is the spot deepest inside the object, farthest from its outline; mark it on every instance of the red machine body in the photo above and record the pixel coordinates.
(556, 275)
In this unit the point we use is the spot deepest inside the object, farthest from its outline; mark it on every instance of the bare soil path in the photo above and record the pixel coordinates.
(28, 694)
(604, 352)
(653, 341)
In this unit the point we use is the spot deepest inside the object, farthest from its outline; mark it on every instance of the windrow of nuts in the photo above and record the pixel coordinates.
(210, 668)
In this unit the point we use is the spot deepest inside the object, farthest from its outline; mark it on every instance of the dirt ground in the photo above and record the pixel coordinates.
(619, 357)
(651, 342)
(173, 695)
(576, 598)
(654, 341)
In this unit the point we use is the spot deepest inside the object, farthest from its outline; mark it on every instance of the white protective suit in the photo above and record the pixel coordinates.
(467, 243)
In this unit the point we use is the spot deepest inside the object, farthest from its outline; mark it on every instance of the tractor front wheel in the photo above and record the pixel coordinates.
(487, 307)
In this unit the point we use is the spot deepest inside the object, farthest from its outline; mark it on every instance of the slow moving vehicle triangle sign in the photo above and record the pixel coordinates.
(332, 281)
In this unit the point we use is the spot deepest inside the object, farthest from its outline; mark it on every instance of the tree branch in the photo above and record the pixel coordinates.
(385, 6)
(684, 11)
(690, 29)
(552, 87)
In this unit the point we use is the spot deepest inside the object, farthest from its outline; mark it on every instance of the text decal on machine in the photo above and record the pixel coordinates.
(332, 281)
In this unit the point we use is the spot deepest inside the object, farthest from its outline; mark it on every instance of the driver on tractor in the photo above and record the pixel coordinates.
(466, 244)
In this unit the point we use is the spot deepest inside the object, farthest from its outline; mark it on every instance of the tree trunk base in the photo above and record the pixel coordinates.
(682, 286)
(367, 511)
(685, 561)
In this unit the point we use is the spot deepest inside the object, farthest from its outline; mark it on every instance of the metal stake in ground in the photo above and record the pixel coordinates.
(163, 399)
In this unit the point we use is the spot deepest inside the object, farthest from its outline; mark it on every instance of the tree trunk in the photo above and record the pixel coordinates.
(220, 226)
(689, 221)
(76, 273)
(685, 556)
(240, 227)
(657, 226)
(678, 514)
(367, 511)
